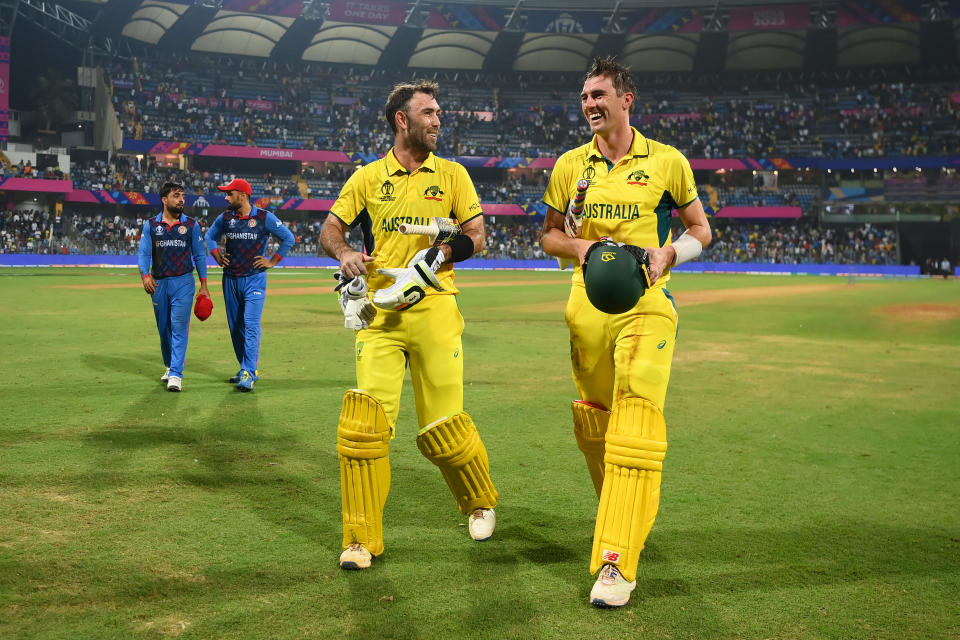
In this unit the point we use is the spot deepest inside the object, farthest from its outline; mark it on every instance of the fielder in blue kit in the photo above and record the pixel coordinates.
(170, 248)
(247, 230)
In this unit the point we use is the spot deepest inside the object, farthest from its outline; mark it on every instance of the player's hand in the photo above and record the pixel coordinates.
(353, 263)
(222, 258)
(660, 259)
(262, 262)
(204, 291)
(358, 311)
(409, 288)
(149, 284)
(582, 249)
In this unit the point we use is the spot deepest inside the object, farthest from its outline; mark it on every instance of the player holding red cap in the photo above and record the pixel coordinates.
(247, 230)
(171, 241)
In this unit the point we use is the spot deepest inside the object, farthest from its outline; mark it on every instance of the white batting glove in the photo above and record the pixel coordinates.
(431, 255)
(409, 288)
(358, 312)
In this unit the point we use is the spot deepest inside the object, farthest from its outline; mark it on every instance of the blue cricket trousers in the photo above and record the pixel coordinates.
(244, 298)
(172, 303)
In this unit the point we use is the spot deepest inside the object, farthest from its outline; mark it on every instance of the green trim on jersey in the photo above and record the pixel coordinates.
(664, 210)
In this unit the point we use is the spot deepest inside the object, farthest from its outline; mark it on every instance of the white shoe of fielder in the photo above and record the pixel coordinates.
(355, 556)
(174, 383)
(165, 376)
(482, 524)
(611, 589)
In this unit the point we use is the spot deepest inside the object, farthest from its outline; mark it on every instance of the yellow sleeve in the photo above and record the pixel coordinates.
(559, 186)
(466, 202)
(681, 185)
(352, 199)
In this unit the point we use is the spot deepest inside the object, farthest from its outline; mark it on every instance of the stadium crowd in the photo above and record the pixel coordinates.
(191, 98)
(800, 242)
(28, 231)
(508, 238)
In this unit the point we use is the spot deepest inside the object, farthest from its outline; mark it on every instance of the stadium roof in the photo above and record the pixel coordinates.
(535, 35)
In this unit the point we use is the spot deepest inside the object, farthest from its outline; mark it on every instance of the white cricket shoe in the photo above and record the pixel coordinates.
(355, 557)
(174, 383)
(611, 589)
(482, 524)
(165, 376)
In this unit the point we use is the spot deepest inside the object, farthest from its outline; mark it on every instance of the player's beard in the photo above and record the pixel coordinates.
(174, 210)
(421, 142)
(234, 206)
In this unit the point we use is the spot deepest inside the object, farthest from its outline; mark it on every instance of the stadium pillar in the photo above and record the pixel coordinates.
(113, 17)
(938, 44)
(295, 40)
(396, 55)
(503, 53)
(711, 55)
(609, 44)
(820, 49)
(187, 28)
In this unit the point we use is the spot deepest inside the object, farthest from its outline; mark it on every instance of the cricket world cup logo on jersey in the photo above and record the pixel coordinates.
(159, 230)
(433, 193)
(638, 177)
(589, 174)
(386, 191)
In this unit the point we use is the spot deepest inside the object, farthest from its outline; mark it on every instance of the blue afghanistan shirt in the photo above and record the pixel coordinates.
(172, 250)
(246, 238)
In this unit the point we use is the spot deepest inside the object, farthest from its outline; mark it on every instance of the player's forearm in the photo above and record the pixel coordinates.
(558, 244)
(333, 242)
(701, 232)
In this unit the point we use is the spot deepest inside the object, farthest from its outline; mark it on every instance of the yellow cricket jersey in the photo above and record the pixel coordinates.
(390, 195)
(632, 201)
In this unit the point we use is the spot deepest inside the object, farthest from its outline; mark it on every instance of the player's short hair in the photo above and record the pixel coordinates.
(619, 75)
(169, 187)
(399, 98)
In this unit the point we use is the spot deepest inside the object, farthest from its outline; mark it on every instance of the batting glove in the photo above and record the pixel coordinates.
(358, 312)
(410, 285)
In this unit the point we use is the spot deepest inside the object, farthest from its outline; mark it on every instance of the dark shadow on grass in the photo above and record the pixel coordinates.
(149, 367)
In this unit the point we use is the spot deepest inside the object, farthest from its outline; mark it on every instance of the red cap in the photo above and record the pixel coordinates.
(203, 308)
(238, 184)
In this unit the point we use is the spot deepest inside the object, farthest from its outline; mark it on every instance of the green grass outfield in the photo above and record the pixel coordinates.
(811, 489)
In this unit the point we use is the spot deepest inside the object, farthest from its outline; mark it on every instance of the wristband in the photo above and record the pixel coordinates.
(461, 247)
(145, 276)
(687, 248)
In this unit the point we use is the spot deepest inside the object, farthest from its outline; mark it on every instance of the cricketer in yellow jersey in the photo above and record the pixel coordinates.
(417, 323)
(621, 363)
